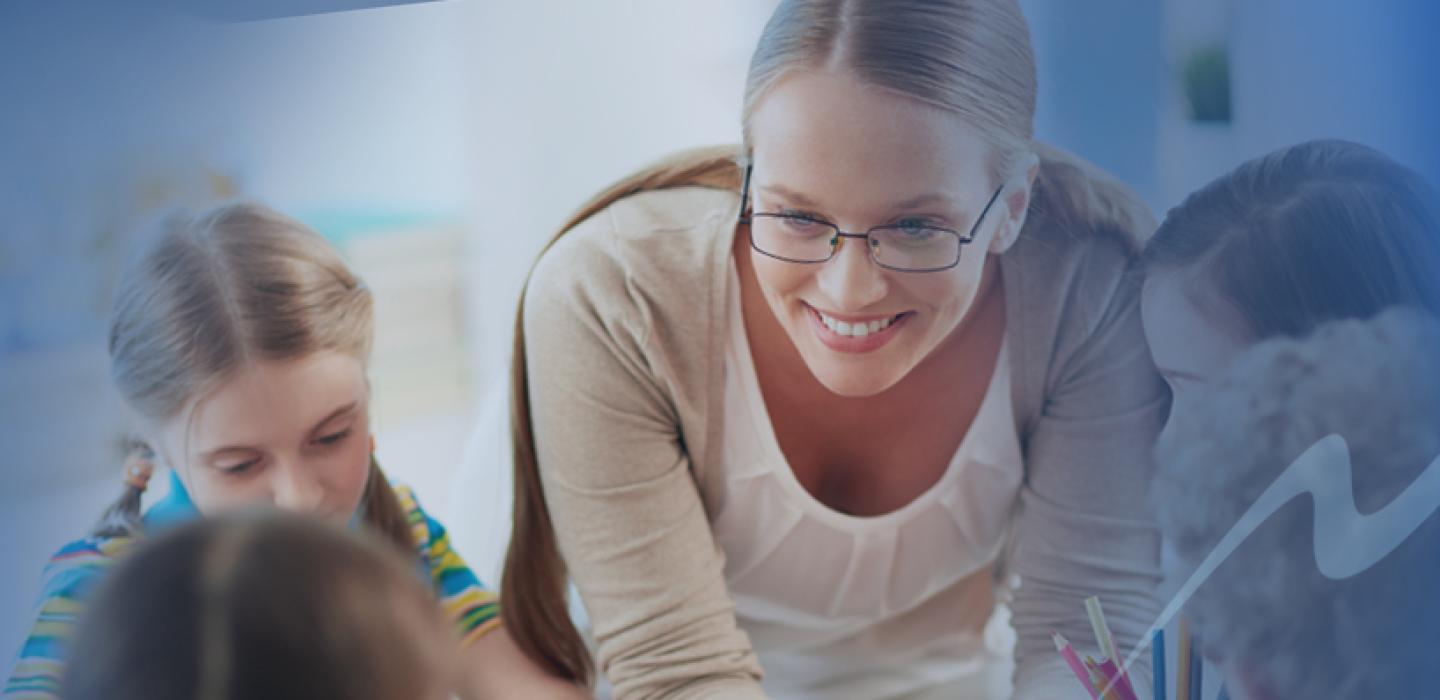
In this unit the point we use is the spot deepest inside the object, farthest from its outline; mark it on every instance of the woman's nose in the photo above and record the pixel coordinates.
(850, 279)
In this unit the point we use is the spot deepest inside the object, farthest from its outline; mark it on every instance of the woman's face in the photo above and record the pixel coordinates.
(294, 434)
(1191, 344)
(831, 148)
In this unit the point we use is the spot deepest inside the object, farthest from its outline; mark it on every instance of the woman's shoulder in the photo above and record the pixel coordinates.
(1077, 257)
(655, 239)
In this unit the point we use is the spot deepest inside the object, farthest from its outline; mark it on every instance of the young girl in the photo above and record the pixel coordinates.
(1256, 289)
(239, 342)
(1321, 231)
(274, 607)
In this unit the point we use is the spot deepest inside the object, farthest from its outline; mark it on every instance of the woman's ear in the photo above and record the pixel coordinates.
(1014, 204)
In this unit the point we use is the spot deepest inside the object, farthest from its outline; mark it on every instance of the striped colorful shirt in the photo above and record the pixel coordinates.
(72, 574)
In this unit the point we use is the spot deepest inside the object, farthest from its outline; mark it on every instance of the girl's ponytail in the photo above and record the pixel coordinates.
(383, 512)
(123, 518)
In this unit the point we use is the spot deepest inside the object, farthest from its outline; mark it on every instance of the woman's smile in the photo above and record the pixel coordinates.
(855, 333)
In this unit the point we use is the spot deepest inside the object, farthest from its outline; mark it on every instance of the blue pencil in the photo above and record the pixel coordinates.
(1157, 650)
(1196, 670)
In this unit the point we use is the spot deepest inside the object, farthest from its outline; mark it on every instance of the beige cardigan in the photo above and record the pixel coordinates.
(625, 326)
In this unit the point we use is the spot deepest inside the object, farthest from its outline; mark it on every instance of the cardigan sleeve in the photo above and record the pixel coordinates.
(618, 481)
(1084, 527)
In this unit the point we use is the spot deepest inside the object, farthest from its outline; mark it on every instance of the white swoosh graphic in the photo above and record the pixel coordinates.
(1346, 542)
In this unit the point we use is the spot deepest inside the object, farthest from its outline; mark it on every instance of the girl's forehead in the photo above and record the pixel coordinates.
(271, 401)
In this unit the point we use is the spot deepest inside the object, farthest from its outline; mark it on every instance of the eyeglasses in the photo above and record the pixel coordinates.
(904, 247)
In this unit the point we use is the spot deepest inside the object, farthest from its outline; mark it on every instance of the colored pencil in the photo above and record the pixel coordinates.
(1157, 653)
(1104, 638)
(1197, 670)
(1068, 653)
(1115, 680)
(1102, 631)
(1102, 684)
(1182, 663)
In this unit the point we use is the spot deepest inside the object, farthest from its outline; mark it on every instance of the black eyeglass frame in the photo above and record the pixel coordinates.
(961, 240)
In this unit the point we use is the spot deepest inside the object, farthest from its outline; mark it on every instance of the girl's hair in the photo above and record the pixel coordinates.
(971, 58)
(1319, 231)
(250, 607)
(217, 291)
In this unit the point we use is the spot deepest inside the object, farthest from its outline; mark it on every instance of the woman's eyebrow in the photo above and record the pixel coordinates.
(928, 198)
(789, 195)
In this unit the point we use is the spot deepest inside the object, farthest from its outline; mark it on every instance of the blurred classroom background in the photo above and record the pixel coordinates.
(439, 144)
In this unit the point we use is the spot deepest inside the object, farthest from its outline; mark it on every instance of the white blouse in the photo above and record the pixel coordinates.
(839, 606)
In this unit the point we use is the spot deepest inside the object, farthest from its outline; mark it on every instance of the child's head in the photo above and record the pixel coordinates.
(239, 341)
(1320, 231)
(1278, 626)
(250, 608)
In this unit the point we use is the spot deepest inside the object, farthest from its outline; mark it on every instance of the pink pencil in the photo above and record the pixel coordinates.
(1114, 678)
(1068, 653)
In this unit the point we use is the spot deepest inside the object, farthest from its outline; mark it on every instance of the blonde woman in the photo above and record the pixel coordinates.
(796, 417)
(239, 341)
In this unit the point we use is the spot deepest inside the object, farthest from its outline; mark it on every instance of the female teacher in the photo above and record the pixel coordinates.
(823, 422)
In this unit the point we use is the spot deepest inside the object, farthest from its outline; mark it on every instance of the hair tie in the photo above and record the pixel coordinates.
(138, 470)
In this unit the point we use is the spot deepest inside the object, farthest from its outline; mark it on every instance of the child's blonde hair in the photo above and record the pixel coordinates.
(219, 290)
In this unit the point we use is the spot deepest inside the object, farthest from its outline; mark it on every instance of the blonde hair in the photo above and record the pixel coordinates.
(971, 58)
(217, 291)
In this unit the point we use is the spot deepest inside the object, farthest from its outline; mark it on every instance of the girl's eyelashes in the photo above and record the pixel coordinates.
(236, 469)
(333, 438)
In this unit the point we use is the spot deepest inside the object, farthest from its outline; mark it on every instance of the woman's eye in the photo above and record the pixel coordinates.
(916, 227)
(804, 222)
(333, 438)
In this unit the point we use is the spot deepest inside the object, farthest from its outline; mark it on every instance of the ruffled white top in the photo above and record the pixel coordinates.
(839, 606)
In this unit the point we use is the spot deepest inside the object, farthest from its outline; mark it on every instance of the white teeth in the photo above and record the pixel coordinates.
(856, 330)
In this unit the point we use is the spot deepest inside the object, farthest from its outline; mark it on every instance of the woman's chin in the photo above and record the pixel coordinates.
(854, 379)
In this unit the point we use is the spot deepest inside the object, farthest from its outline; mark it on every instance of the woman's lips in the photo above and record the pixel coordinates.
(832, 336)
